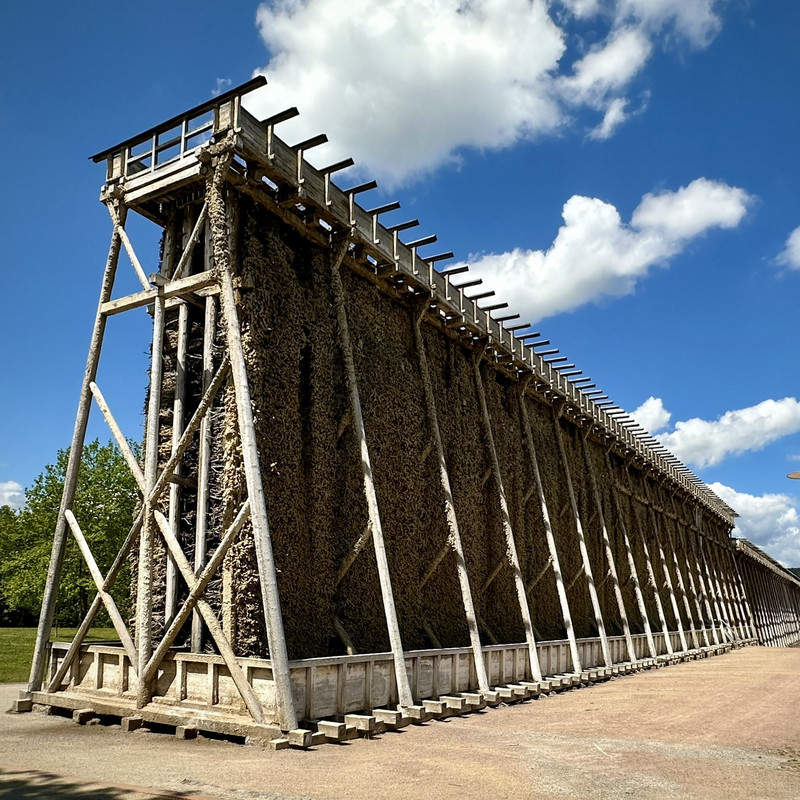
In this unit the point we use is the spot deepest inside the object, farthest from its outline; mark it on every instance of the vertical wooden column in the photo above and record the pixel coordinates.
(693, 537)
(770, 634)
(548, 534)
(757, 600)
(511, 547)
(664, 567)
(144, 585)
(730, 586)
(651, 577)
(454, 534)
(204, 460)
(50, 595)
(177, 429)
(716, 594)
(681, 534)
(587, 567)
(401, 676)
(612, 567)
(682, 587)
(218, 224)
(637, 588)
(178, 406)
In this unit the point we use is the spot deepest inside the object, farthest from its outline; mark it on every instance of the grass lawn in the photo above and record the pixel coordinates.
(16, 648)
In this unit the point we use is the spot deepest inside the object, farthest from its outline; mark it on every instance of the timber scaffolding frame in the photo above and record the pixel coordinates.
(774, 594)
(689, 599)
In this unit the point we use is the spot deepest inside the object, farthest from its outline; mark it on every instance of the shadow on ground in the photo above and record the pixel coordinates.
(23, 784)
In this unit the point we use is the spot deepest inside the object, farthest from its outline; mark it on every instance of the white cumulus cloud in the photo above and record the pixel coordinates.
(770, 521)
(403, 85)
(652, 415)
(595, 254)
(704, 443)
(790, 255)
(695, 20)
(12, 494)
(400, 85)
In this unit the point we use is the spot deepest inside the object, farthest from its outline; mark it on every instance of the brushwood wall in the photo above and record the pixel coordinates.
(313, 480)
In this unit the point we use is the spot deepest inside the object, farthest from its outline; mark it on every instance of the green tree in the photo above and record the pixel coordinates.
(105, 502)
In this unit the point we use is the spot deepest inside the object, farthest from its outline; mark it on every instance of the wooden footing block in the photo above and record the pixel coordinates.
(318, 738)
(456, 705)
(185, 732)
(300, 737)
(22, 705)
(361, 722)
(492, 698)
(416, 714)
(131, 724)
(435, 708)
(505, 694)
(545, 685)
(335, 731)
(392, 720)
(474, 701)
(279, 744)
(82, 715)
(533, 689)
(520, 692)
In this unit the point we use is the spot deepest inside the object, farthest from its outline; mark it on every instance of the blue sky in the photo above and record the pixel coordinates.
(623, 170)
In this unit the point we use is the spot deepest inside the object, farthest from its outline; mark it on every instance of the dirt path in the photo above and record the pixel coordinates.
(725, 727)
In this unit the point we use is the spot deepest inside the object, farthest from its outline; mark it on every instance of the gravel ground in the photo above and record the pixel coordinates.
(725, 727)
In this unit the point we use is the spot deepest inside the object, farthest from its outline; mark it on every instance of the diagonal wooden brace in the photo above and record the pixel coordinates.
(187, 252)
(96, 605)
(119, 438)
(350, 558)
(212, 623)
(191, 428)
(196, 592)
(126, 242)
(99, 580)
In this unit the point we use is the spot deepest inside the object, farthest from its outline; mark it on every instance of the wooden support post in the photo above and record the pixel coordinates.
(204, 461)
(268, 581)
(404, 694)
(50, 595)
(453, 532)
(637, 587)
(144, 586)
(713, 590)
(679, 575)
(612, 567)
(511, 547)
(587, 567)
(665, 568)
(549, 537)
(679, 526)
(693, 539)
(651, 578)
(733, 592)
(178, 405)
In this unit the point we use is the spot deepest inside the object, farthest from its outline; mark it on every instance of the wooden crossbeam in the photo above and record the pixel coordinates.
(493, 574)
(176, 288)
(196, 592)
(97, 604)
(344, 636)
(575, 578)
(212, 623)
(100, 581)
